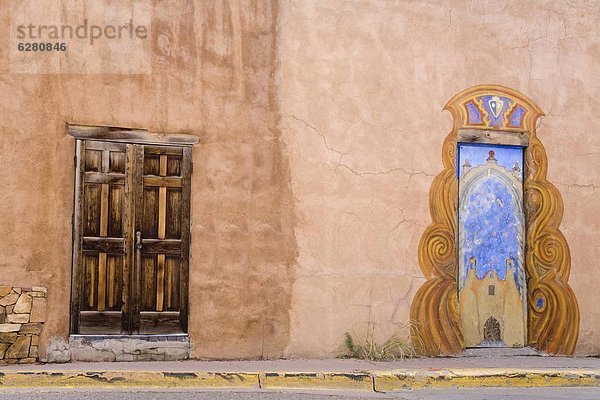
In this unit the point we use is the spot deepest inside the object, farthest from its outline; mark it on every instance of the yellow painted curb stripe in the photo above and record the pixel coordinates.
(106, 379)
(320, 380)
(489, 377)
(383, 381)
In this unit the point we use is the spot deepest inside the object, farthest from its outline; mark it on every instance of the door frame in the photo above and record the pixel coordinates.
(552, 309)
(134, 137)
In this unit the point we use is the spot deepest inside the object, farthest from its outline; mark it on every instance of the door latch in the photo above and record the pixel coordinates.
(138, 240)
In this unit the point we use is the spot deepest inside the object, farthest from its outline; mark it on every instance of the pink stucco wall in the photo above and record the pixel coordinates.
(362, 86)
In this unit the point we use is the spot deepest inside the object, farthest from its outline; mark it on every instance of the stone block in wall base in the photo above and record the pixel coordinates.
(150, 357)
(175, 354)
(9, 327)
(91, 354)
(33, 352)
(38, 310)
(8, 337)
(9, 299)
(4, 290)
(31, 329)
(3, 347)
(19, 349)
(58, 356)
(24, 304)
(28, 360)
(57, 351)
(17, 318)
(125, 357)
(2, 315)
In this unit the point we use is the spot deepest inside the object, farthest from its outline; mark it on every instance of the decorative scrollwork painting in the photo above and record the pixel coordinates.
(552, 311)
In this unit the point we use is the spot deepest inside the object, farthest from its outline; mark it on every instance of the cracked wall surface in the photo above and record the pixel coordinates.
(362, 86)
(212, 68)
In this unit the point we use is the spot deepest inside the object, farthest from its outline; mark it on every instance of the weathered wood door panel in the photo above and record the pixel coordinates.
(102, 184)
(164, 192)
(131, 238)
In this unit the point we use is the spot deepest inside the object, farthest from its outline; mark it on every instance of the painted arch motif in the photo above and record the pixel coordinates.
(552, 310)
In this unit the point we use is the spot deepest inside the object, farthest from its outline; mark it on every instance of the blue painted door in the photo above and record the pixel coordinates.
(491, 237)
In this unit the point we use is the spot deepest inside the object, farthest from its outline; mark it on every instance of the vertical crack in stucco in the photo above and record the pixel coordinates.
(316, 131)
(404, 299)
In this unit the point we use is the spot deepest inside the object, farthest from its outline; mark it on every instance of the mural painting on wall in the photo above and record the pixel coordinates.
(496, 262)
(491, 226)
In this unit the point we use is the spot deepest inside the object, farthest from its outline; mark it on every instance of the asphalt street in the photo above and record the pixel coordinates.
(188, 394)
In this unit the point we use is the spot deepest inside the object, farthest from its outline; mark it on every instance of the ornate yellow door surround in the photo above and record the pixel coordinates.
(496, 114)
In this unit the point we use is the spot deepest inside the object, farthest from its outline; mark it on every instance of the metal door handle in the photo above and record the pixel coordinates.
(138, 240)
(135, 284)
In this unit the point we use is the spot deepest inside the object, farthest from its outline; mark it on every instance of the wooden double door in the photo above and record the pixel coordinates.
(131, 238)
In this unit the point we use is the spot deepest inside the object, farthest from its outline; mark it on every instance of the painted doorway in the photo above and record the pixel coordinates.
(495, 115)
(491, 245)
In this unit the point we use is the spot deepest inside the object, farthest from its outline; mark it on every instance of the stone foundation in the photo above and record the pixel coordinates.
(22, 316)
(136, 348)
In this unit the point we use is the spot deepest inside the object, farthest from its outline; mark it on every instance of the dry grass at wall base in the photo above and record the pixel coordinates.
(396, 347)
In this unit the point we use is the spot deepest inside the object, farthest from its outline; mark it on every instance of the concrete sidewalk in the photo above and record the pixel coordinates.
(314, 374)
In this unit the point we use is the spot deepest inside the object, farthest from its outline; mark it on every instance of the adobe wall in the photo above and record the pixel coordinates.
(362, 87)
(212, 66)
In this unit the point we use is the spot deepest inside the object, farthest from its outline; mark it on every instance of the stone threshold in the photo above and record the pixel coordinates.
(499, 352)
(120, 348)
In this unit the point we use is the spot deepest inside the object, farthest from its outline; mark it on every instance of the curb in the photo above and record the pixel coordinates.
(484, 377)
(317, 380)
(379, 381)
(112, 379)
